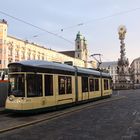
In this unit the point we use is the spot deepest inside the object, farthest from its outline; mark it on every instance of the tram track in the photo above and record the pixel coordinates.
(32, 120)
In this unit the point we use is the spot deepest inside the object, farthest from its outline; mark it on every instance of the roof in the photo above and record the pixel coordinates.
(109, 64)
(3, 21)
(69, 53)
(135, 60)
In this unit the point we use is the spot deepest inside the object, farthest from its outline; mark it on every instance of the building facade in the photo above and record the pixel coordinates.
(111, 67)
(135, 72)
(13, 49)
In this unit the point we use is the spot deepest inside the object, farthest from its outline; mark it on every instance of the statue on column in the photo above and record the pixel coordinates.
(123, 63)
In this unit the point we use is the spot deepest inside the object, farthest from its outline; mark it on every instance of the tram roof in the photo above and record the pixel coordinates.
(88, 71)
(59, 66)
(93, 72)
(45, 64)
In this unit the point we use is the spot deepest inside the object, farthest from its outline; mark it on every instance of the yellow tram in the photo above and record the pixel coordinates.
(36, 85)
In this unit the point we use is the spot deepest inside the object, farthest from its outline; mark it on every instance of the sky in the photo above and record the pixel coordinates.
(100, 21)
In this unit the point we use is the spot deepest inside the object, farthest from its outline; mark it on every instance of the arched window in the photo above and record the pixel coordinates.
(78, 46)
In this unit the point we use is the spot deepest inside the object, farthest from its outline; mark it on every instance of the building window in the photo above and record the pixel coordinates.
(29, 56)
(10, 51)
(23, 55)
(33, 56)
(10, 60)
(42, 57)
(78, 46)
(78, 55)
(48, 85)
(0, 41)
(16, 53)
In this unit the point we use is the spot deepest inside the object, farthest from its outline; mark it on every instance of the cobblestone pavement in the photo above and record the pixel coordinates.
(117, 120)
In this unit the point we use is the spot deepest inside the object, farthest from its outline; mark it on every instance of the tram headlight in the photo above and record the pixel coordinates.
(18, 101)
(11, 97)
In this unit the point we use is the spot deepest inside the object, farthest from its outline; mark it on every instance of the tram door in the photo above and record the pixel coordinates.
(35, 89)
(49, 99)
(85, 88)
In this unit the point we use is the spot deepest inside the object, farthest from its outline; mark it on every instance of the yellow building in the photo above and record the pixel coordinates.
(13, 49)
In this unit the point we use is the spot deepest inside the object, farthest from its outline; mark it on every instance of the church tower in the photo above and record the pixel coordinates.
(3, 36)
(81, 50)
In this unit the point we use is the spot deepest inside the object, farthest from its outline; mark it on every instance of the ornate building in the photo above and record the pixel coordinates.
(135, 72)
(123, 81)
(13, 49)
(81, 51)
(111, 67)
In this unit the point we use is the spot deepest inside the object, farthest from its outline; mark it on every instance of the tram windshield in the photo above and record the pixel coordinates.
(16, 85)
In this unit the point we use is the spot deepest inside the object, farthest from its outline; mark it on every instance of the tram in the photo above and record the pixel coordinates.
(36, 85)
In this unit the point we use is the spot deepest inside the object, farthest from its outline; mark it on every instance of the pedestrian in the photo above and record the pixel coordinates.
(2, 75)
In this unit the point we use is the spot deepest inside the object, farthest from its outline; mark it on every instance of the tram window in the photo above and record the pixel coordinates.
(91, 84)
(48, 85)
(84, 84)
(34, 85)
(96, 84)
(68, 85)
(61, 83)
(16, 85)
(106, 84)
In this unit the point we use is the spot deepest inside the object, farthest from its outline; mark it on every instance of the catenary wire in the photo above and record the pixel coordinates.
(102, 18)
(37, 27)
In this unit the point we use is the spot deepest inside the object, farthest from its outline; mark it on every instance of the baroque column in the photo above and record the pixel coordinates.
(123, 63)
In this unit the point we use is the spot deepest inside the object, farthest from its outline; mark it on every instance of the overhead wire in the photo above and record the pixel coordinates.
(97, 19)
(101, 18)
(37, 27)
(73, 26)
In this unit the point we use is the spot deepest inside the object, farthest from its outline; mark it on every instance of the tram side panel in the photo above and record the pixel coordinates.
(79, 86)
(66, 89)
(94, 87)
(50, 90)
(85, 87)
(46, 95)
(89, 90)
(106, 87)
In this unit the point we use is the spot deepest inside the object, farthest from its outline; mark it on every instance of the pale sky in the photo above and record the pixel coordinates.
(53, 15)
